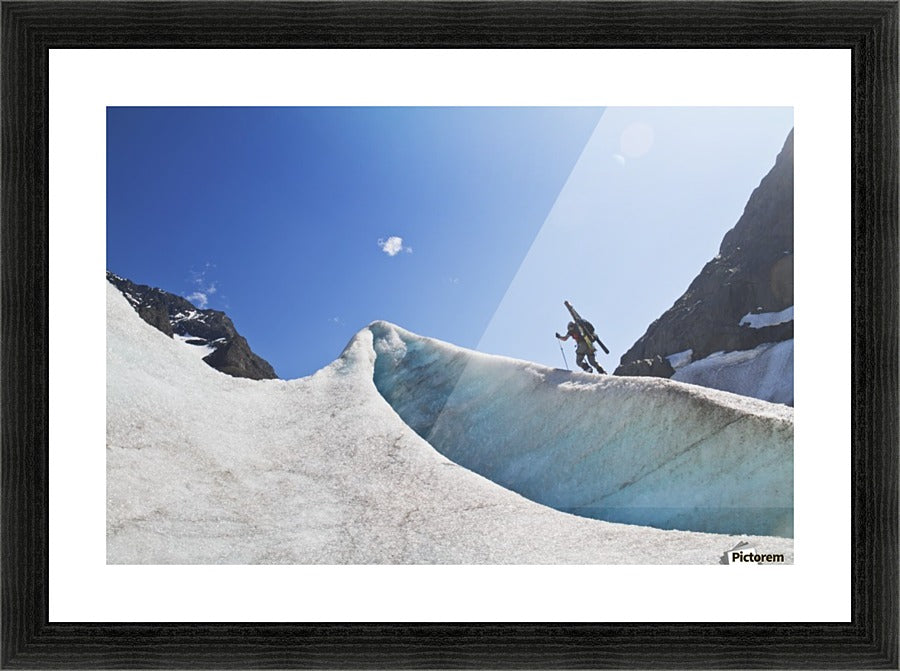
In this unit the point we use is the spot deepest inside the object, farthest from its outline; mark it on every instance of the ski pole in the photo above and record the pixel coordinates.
(564, 356)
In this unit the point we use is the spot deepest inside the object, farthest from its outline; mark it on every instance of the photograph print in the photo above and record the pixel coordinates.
(450, 335)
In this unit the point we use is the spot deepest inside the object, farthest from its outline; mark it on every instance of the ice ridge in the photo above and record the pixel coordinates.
(644, 451)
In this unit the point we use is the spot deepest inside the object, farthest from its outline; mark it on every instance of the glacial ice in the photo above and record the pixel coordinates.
(642, 451)
(204, 468)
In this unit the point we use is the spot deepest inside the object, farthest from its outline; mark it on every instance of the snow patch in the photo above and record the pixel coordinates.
(758, 321)
(201, 350)
(192, 315)
(680, 359)
(766, 372)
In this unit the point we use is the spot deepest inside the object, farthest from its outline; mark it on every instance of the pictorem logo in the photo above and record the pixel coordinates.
(743, 553)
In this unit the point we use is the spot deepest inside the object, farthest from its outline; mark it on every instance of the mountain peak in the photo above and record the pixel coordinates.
(751, 276)
(211, 332)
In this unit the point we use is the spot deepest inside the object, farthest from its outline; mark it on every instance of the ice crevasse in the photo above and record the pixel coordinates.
(644, 451)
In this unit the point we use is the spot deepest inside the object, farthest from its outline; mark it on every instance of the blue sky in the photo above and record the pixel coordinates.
(470, 225)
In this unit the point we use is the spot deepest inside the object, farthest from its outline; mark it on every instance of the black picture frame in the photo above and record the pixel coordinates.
(30, 29)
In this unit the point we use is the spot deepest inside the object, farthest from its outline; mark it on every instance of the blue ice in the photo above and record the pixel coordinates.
(642, 451)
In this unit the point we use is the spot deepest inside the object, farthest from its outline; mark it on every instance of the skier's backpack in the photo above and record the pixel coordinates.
(585, 326)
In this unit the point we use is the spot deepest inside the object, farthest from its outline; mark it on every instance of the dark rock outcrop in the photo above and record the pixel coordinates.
(753, 273)
(174, 315)
(656, 366)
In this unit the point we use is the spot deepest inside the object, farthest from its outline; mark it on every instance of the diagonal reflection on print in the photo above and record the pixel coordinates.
(644, 451)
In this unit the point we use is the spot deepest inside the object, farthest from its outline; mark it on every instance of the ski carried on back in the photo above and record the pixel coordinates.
(586, 328)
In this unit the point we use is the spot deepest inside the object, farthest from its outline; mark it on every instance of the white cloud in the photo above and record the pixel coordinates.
(619, 158)
(203, 286)
(200, 299)
(393, 246)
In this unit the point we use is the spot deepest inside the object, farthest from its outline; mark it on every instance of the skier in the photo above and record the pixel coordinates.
(583, 348)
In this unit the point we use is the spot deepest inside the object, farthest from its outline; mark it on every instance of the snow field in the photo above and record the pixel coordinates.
(206, 468)
(765, 372)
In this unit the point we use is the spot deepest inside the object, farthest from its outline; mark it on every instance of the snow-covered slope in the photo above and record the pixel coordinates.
(765, 372)
(207, 468)
(209, 334)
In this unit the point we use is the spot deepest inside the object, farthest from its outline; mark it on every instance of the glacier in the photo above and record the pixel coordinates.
(639, 450)
(205, 468)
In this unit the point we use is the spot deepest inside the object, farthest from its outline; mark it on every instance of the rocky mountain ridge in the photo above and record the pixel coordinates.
(752, 276)
(210, 331)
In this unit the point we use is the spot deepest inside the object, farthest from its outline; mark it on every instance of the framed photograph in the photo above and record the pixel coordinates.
(220, 221)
